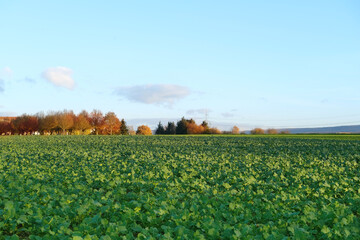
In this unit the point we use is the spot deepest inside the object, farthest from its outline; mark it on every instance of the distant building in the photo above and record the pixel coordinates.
(7, 119)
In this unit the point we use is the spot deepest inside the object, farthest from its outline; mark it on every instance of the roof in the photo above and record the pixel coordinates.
(7, 119)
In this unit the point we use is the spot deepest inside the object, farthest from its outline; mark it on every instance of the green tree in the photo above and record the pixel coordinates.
(181, 126)
(160, 129)
(124, 130)
(171, 128)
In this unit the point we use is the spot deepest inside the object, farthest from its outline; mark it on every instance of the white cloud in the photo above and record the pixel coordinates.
(60, 76)
(165, 94)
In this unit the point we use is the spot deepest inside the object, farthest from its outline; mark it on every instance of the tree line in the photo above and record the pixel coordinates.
(186, 126)
(66, 122)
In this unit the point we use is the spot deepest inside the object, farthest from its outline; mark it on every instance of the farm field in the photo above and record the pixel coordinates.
(180, 187)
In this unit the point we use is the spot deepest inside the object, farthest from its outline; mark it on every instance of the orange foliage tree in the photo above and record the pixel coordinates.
(214, 131)
(257, 131)
(96, 120)
(82, 122)
(65, 120)
(193, 128)
(143, 130)
(272, 131)
(48, 123)
(111, 124)
(25, 124)
(235, 130)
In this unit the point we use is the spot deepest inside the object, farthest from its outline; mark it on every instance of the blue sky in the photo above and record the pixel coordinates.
(245, 63)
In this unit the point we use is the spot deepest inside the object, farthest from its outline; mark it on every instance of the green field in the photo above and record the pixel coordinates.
(180, 187)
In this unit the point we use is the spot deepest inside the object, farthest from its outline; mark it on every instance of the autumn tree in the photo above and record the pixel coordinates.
(272, 131)
(25, 124)
(206, 127)
(235, 130)
(85, 114)
(160, 129)
(65, 120)
(143, 130)
(285, 132)
(40, 116)
(31, 124)
(96, 120)
(47, 123)
(214, 131)
(257, 131)
(193, 128)
(124, 130)
(171, 128)
(111, 123)
(82, 122)
(5, 127)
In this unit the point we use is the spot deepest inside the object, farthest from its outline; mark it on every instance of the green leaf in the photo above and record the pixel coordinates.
(226, 185)
(14, 237)
(300, 234)
(122, 228)
(325, 229)
(9, 209)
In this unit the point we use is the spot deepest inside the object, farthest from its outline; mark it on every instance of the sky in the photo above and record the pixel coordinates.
(246, 63)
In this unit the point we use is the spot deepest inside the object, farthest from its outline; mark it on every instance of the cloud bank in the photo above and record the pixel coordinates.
(163, 94)
(59, 76)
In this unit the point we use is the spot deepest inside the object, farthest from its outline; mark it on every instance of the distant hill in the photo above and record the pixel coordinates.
(337, 129)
